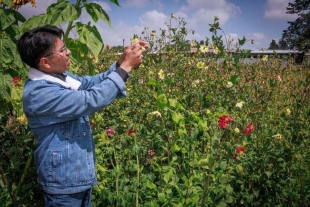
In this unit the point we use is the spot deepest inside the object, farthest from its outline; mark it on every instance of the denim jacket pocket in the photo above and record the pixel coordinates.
(56, 167)
(72, 129)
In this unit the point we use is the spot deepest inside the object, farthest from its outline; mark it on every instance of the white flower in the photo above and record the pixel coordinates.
(155, 113)
(216, 50)
(161, 74)
(134, 40)
(193, 43)
(140, 81)
(240, 104)
(195, 83)
(229, 84)
(277, 136)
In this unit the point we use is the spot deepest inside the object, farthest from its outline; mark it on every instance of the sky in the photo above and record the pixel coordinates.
(260, 20)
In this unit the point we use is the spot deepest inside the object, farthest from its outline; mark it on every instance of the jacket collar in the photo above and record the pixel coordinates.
(35, 74)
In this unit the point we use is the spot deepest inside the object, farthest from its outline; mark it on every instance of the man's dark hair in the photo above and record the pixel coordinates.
(38, 42)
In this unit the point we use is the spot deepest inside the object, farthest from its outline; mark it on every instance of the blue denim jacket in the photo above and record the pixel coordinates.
(57, 114)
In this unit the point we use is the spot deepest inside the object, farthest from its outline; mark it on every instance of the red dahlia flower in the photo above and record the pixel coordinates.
(131, 131)
(249, 128)
(240, 150)
(224, 120)
(151, 152)
(109, 131)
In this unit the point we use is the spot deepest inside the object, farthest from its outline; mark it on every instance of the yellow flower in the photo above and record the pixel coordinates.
(208, 111)
(288, 112)
(265, 58)
(161, 74)
(200, 65)
(203, 49)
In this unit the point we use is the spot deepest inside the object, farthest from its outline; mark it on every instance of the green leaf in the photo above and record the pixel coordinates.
(96, 12)
(222, 204)
(175, 148)
(202, 125)
(173, 102)
(18, 16)
(115, 2)
(177, 117)
(223, 165)
(168, 175)
(9, 3)
(62, 11)
(150, 185)
(223, 179)
(79, 53)
(161, 197)
(35, 21)
(152, 83)
(162, 101)
(181, 132)
(90, 36)
(242, 41)
(268, 173)
(5, 84)
(229, 199)
(6, 18)
(91, 68)
(233, 79)
(7, 49)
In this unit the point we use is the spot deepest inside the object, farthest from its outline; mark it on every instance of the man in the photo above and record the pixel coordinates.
(57, 104)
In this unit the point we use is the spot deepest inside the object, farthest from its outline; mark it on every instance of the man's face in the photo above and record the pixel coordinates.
(59, 58)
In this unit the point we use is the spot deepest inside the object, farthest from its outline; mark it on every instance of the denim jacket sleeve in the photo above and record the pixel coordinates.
(51, 102)
(89, 81)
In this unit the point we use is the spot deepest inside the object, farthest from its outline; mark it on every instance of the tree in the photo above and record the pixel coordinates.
(297, 35)
(273, 45)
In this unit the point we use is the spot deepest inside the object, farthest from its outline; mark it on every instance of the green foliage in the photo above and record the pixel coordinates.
(297, 35)
(17, 171)
(273, 45)
(170, 147)
(180, 156)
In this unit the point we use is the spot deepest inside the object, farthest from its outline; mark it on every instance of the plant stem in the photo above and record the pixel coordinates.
(138, 176)
(26, 170)
(69, 27)
(117, 178)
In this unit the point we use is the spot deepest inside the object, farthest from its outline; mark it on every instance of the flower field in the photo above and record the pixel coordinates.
(201, 128)
(196, 131)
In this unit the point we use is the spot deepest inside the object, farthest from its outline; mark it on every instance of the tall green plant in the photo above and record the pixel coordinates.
(17, 172)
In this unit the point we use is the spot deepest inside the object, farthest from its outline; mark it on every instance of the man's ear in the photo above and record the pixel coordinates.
(44, 64)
